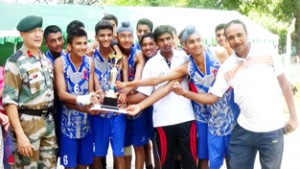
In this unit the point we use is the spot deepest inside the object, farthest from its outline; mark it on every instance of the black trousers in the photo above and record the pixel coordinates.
(177, 139)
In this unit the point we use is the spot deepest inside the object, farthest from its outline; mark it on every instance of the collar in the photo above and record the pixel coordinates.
(163, 58)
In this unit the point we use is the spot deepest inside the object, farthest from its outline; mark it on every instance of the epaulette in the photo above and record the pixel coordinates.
(16, 56)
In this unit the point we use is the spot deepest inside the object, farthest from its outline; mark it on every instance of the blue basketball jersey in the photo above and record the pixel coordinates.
(220, 116)
(201, 82)
(76, 124)
(131, 64)
(50, 57)
(102, 68)
(137, 45)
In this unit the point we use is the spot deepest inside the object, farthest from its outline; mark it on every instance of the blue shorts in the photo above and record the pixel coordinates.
(76, 151)
(128, 132)
(218, 148)
(109, 129)
(137, 130)
(202, 140)
(149, 112)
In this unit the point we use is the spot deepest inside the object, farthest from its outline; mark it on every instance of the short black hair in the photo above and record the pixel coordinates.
(146, 35)
(220, 26)
(145, 21)
(75, 33)
(236, 21)
(51, 29)
(103, 24)
(158, 31)
(75, 24)
(110, 17)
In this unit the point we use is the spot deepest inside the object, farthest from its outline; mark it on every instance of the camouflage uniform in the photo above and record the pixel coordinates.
(29, 86)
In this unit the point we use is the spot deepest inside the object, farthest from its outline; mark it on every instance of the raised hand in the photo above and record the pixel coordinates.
(90, 52)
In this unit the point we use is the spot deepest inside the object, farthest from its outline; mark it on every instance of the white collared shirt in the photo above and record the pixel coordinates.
(256, 88)
(171, 109)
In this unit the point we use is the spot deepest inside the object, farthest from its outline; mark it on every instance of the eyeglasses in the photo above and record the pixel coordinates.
(124, 37)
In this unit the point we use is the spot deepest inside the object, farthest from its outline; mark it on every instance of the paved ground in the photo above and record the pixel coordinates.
(290, 156)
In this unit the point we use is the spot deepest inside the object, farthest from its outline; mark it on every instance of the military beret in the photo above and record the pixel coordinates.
(29, 22)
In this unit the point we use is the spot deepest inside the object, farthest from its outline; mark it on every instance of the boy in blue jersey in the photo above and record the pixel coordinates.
(136, 127)
(54, 41)
(75, 24)
(114, 22)
(74, 74)
(107, 127)
(143, 26)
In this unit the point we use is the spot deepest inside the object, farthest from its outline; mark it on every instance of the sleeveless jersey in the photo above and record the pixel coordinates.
(220, 116)
(50, 57)
(131, 72)
(102, 70)
(137, 45)
(131, 64)
(76, 124)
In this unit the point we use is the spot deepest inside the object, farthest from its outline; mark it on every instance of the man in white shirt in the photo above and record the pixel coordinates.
(256, 75)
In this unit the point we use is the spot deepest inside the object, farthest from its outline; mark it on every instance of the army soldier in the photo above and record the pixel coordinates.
(28, 99)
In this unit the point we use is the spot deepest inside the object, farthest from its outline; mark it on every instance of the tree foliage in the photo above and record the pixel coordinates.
(285, 11)
(275, 15)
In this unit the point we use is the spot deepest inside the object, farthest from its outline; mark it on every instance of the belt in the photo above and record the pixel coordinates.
(42, 113)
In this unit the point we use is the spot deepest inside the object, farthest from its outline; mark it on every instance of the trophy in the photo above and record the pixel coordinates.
(110, 101)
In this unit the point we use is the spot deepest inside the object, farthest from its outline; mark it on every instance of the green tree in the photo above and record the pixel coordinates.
(275, 15)
(286, 10)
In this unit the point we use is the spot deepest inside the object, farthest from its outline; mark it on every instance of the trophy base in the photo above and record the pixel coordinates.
(108, 108)
(110, 101)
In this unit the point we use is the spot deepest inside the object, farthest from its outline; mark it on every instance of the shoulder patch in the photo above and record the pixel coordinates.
(16, 56)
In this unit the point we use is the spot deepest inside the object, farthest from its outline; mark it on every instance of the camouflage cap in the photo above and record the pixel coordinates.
(29, 22)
